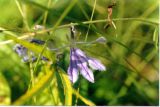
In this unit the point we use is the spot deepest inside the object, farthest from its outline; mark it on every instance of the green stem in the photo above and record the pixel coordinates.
(46, 13)
(146, 21)
(40, 55)
(105, 20)
(95, 2)
(32, 83)
(22, 14)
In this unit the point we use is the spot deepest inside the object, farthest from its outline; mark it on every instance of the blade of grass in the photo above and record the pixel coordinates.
(127, 35)
(31, 46)
(114, 61)
(93, 27)
(130, 79)
(134, 25)
(22, 14)
(95, 2)
(31, 34)
(86, 101)
(66, 81)
(46, 13)
(67, 87)
(40, 55)
(43, 83)
(155, 37)
(126, 47)
(72, 3)
(52, 88)
(32, 81)
(35, 48)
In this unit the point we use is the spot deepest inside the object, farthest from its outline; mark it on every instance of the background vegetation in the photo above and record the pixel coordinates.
(130, 54)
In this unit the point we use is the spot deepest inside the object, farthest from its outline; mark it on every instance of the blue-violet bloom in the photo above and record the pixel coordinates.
(80, 62)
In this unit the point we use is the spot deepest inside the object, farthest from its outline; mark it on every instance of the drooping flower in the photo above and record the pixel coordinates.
(79, 62)
(23, 52)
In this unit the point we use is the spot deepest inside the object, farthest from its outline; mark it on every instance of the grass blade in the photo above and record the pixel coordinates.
(31, 46)
(67, 87)
(43, 83)
(69, 90)
(86, 101)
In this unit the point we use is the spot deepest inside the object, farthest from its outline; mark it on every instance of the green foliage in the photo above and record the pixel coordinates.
(36, 89)
(67, 88)
(130, 54)
(5, 92)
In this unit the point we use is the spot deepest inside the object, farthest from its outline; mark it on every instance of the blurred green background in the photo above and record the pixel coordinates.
(131, 58)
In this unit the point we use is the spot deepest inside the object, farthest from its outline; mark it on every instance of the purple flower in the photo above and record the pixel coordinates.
(23, 52)
(79, 62)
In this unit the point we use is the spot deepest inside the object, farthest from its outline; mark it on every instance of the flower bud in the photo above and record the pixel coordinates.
(101, 40)
(38, 27)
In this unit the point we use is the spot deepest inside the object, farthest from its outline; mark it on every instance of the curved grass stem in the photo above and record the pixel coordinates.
(30, 34)
(146, 21)
(91, 19)
(22, 14)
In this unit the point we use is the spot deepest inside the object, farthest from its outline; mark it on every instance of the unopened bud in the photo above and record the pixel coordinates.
(39, 27)
(101, 40)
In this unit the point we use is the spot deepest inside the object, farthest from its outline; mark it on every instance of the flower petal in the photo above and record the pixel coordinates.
(86, 72)
(82, 65)
(73, 68)
(73, 74)
(25, 58)
(96, 64)
(20, 50)
(44, 58)
(79, 52)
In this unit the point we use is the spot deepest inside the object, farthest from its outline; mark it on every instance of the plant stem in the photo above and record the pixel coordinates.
(22, 14)
(76, 24)
(95, 2)
(46, 13)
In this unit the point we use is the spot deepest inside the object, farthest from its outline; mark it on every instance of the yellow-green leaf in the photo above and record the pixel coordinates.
(43, 83)
(69, 90)
(5, 92)
(86, 101)
(67, 87)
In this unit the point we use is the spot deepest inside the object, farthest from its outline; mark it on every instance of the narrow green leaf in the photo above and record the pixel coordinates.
(93, 10)
(43, 83)
(114, 26)
(69, 90)
(22, 14)
(155, 34)
(5, 91)
(155, 37)
(67, 87)
(35, 48)
(86, 101)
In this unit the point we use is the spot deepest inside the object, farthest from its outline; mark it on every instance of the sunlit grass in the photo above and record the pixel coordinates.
(130, 53)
